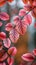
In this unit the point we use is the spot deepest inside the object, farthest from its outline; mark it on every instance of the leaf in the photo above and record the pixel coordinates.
(3, 57)
(21, 27)
(4, 16)
(27, 19)
(22, 12)
(10, 61)
(28, 57)
(8, 27)
(2, 53)
(14, 35)
(2, 35)
(7, 42)
(16, 18)
(2, 2)
(12, 51)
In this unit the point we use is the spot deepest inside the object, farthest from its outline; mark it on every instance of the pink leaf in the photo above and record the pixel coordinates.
(7, 42)
(12, 51)
(10, 61)
(22, 12)
(16, 18)
(21, 27)
(4, 16)
(28, 57)
(2, 35)
(1, 23)
(14, 35)
(8, 27)
(28, 19)
(34, 52)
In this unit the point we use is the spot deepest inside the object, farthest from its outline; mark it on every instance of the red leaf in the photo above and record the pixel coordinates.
(22, 12)
(2, 53)
(14, 35)
(28, 19)
(8, 27)
(12, 51)
(34, 52)
(7, 42)
(10, 61)
(2, 2)
(21, 27)
(3, 57)
(1, 23)
(28, 57)
(2, 35)
(4, 16)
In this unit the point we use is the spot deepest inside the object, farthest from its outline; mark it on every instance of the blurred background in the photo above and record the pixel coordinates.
(27, 42)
